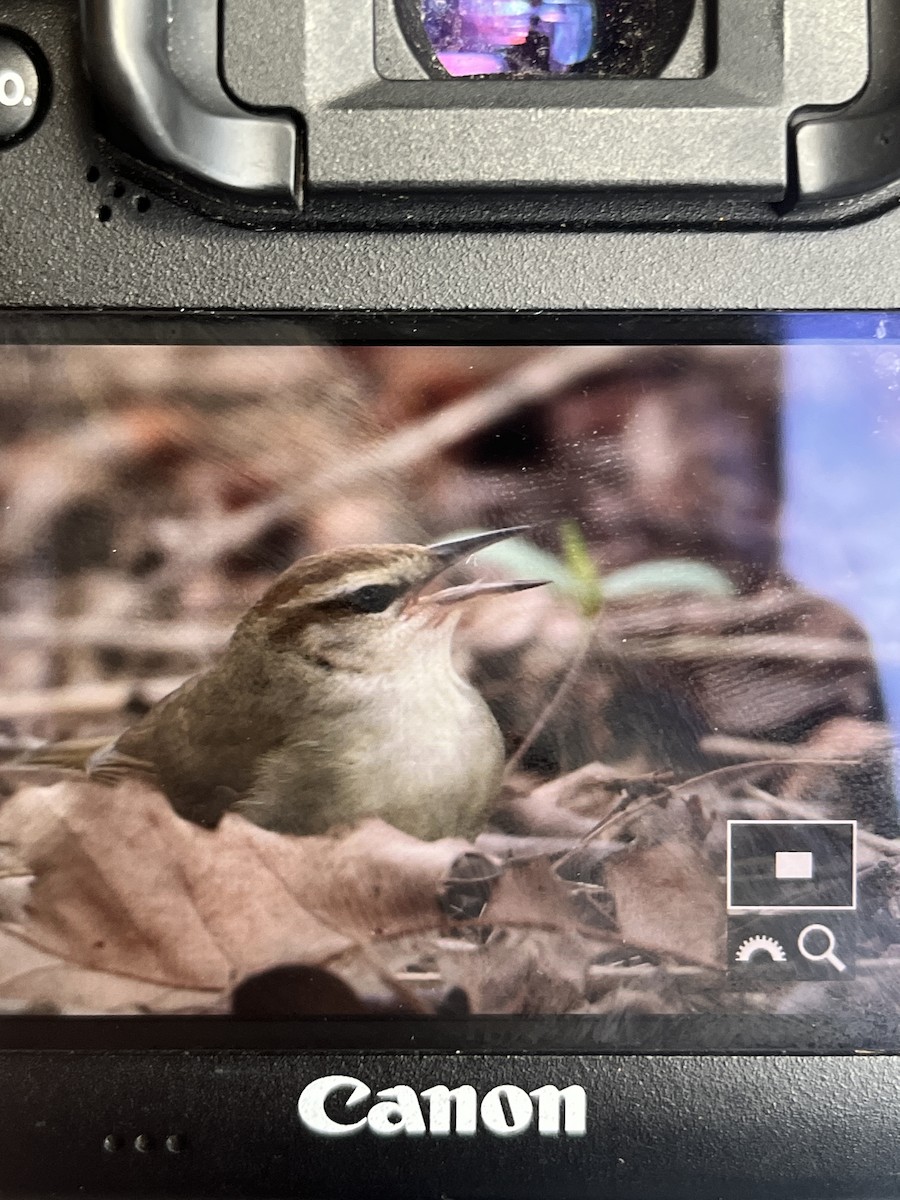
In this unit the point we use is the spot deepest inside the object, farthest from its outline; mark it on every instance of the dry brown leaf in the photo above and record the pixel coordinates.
(669, 901)
(32, 980)
(569, 806)
(15, 894)
(593, 789)
(130, 907)
(370, 883)
(124, 885)
(531, 894)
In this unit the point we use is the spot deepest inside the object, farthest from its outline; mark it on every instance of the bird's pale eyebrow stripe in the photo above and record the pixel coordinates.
(344, 596)
(321, 568)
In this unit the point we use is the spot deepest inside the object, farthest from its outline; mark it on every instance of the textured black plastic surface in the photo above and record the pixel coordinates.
(374, 125)
(661, 1127)
(57, 254)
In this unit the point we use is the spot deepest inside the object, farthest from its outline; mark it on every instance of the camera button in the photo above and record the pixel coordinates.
(20, 88)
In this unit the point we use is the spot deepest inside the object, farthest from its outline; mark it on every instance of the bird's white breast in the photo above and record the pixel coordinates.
(429, 755)
(417, 747)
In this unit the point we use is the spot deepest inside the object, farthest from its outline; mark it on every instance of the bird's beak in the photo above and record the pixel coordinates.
(446, 554)
(481, 587)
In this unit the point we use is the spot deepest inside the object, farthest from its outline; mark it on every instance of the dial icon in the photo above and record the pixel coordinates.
(760, 944)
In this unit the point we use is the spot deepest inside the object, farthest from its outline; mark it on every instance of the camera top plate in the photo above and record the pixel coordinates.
(73, 242)
(341, 77)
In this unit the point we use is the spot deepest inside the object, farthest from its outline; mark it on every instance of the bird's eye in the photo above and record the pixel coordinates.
(374, 597)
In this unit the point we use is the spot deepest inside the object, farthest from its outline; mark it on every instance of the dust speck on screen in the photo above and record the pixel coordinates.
(450, 682)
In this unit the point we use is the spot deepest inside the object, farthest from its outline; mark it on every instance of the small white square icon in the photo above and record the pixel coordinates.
(793, 864)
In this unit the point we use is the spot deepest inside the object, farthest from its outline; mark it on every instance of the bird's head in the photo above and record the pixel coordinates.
(366, 608)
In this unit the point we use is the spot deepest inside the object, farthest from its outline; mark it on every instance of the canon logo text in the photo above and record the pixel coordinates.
(334, 1106)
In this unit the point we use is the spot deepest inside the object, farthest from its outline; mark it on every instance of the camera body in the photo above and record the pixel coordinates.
(204, 171)
(394, 194)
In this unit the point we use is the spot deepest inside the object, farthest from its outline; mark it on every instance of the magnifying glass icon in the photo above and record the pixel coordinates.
(827, 955)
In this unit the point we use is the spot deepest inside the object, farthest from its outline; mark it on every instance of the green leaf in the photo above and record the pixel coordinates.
(667, 575)
(521, 559)
(577, 577)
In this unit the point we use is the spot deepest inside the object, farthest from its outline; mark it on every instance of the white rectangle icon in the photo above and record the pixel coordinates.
(793, 864)
(789, 866)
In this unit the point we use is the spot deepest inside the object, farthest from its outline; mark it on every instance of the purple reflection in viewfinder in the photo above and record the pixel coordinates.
(489, 37)
(472, 64)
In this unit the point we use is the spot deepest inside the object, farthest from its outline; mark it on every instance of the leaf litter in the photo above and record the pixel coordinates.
(121, 887)
(111, 902)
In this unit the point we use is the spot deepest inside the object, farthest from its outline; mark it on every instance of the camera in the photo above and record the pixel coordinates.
(448, 621)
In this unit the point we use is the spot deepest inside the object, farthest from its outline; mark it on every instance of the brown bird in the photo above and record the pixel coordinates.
(335, 699)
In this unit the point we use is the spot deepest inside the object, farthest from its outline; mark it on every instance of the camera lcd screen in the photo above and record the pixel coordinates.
(451, 683)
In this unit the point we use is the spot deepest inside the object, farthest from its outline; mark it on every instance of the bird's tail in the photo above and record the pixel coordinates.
(68, 756)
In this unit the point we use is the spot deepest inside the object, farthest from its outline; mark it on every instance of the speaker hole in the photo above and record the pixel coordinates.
(104, 213)
(142, 203)
(175, 1143)
(143, 1143)
(112, 1143)
(118, 189)
(92, 174)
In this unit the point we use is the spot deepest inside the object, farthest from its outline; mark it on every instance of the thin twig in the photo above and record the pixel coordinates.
(550, 708)
(779, 647)
(692, 616)
(793, 808)
(418, 977)
(754, 749)
(643, 971)
(515, 848)
(195, 638)
(537, 381)
(407, 995)
(85, 699)
(737, 770)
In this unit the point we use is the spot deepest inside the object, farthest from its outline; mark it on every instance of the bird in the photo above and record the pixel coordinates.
(335, 699)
